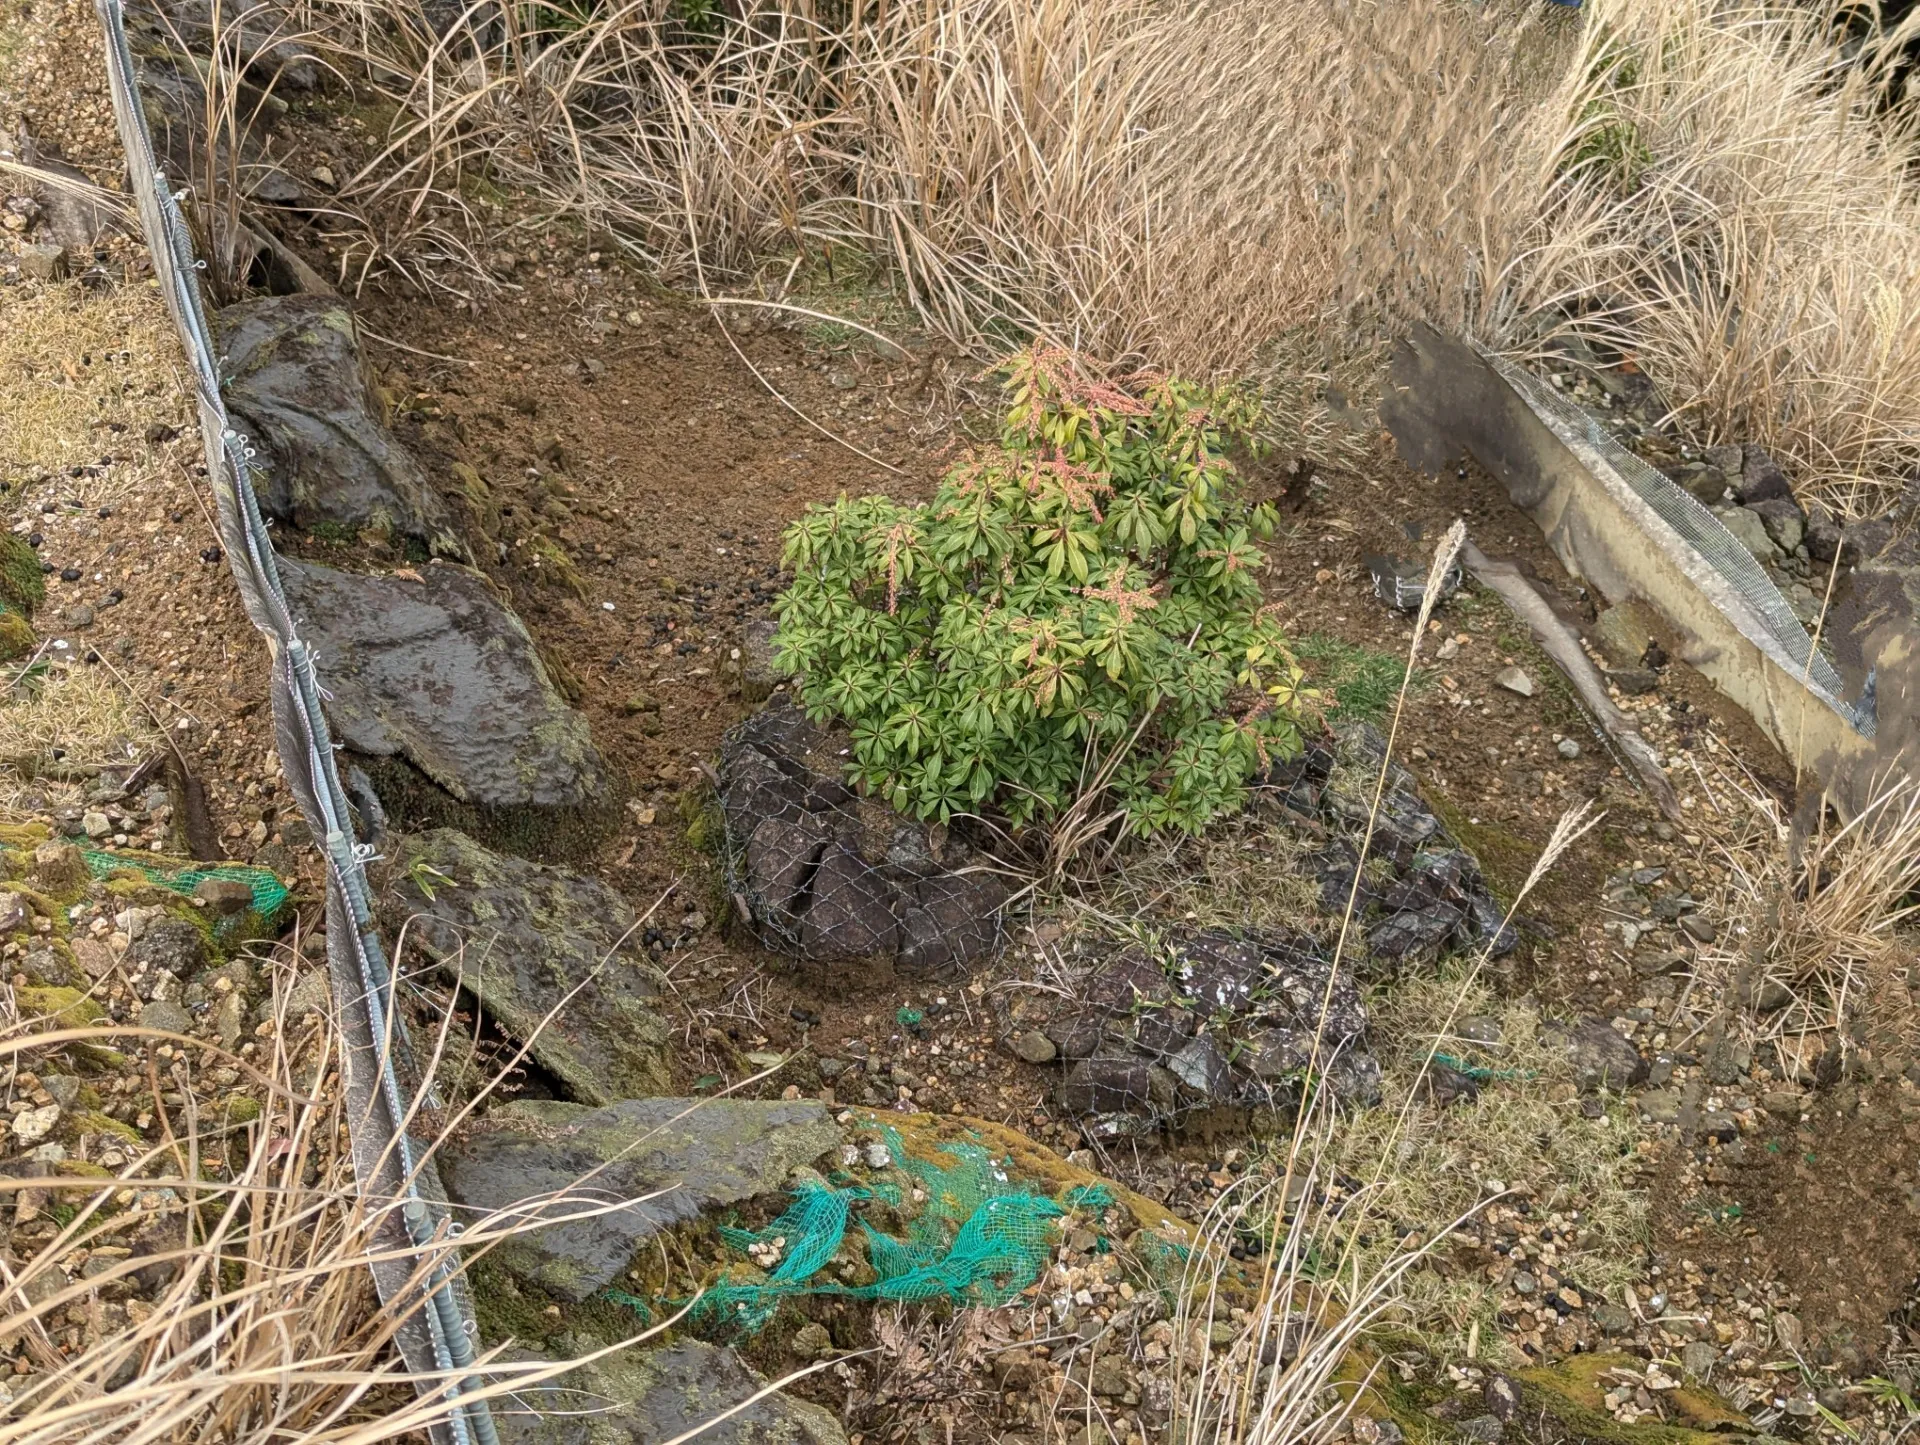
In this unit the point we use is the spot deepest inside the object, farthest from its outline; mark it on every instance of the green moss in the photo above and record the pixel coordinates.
(68, 1007)
(1564, 1399)
(1505, 858)
(555, 562)
(24, 835)
(81, 1169)
(242, 1110)
(95, 1122)
(21, 582)
(16, 635)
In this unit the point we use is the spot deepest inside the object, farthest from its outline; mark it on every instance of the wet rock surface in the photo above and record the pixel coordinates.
(648, 1396)
(297, 387)
(671, 1158)
(829, 875)
(549, 954)
(433, 669)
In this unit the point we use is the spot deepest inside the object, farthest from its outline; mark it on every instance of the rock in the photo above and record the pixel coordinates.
(1783, 521)
(296, 385)
(1761, 479)
(526, 939)
(1784, 1104)
(1729, 459)
(1613, 1319)
(230, 1019)
(312, 993)
(811, 1341)
(95, 825)
(951, 920)
(1698, 1358)
(168, 1016)
(44, 262)
(1772, 996)
(759, 672)
(441, 674)
(828, 875)
(58, 868)
(672, 1157)
(1697, 928)
(1034, 1047)
(1514, 679)
(1484, 1429)
(1706, 484)
(1661, 1106)
(1110, 1378)
(1100, 1086)
(850, 913)
(80, 617)
(1602, 1058)
(650, 1396)
(224, 897)
(1824, 539)
(1502, 1397)
(1634, 681)
(1749, 531)
(16, 915)
(170, 944)
(1788, 1334)
(1568, 749)
(33, 1125)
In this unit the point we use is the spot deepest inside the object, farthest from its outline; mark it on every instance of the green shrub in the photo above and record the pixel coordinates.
(1079, 602)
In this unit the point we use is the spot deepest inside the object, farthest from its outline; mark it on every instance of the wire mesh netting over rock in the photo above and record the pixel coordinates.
(827, 874)
(1208, 1019)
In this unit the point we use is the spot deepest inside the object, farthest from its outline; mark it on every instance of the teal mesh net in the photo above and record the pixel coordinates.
(972, 1236)
(269, 893)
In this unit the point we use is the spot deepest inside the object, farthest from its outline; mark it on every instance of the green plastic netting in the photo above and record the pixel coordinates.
(973, 1236)
(269, 893)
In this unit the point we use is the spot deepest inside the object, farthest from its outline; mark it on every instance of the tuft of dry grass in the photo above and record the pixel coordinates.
(268, 1327)
(65, 717)
(1227, 186)
(1815, 940)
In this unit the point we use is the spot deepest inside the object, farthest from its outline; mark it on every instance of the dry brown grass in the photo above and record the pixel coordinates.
(1816, 948)
(268, 1327)
(1229, 186)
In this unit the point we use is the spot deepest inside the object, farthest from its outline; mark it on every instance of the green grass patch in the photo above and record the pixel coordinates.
(1364, 683)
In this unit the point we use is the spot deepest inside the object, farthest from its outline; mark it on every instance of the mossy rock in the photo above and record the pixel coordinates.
(16, 635)
(242, 1110)
(21, 583)
(95, 1122)
(68, 1007)
(1561, 1402)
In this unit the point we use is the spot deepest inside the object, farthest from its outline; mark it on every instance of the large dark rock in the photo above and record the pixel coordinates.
(1213, 1018)
(670, 1159)
(1436, 898)
(1761, 479)
(438, 673)
(827, 874)
(545, 951)
(297, 387)
(651, 1396)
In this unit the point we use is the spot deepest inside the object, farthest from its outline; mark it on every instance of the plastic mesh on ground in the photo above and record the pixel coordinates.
(269, 893)
(972, 1236)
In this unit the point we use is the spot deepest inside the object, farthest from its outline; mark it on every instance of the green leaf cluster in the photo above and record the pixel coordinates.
(1076, 608)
